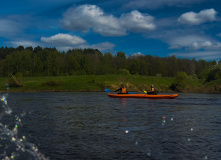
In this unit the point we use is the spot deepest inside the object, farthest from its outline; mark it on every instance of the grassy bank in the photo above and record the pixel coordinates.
(95, 83)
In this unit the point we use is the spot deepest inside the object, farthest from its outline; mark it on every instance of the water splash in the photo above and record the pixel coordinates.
(126, 132)
(13, 146)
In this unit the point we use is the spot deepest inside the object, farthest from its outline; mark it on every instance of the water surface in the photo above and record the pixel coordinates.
(94, 126)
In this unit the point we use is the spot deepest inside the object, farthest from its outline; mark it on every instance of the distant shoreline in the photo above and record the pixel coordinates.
(97, 83)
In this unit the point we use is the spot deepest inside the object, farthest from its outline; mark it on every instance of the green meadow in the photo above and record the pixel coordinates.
(97, 83)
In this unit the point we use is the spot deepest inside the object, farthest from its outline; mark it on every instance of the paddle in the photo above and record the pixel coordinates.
(108, 90)
(146, 92)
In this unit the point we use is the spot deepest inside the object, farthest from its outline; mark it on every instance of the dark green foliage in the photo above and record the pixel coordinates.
(123, 72)
(213, 73)
(38, 61)
(135, 67)
(179, 82)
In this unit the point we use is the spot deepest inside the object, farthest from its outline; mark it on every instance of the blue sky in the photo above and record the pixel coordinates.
(184, 28)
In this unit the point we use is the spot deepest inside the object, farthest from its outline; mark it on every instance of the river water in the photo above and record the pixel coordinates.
(94, 126)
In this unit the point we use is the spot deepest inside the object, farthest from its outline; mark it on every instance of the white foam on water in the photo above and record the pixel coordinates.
(12, 146)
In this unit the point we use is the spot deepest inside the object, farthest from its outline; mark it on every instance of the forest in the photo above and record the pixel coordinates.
(38, 61)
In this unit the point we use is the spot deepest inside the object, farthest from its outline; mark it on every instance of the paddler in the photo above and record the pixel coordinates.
(153, 90)
(122, 90)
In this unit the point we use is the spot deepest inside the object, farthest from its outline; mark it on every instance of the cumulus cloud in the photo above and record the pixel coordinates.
(178, 38)
(86, 17)
(200, 44)
(137, 22)
(63, 39)
(65, 42)
(187, 40)
(198, 47)
(194, 42)
(138, 54)
(192, 18)
(180, 41)
(208, 45)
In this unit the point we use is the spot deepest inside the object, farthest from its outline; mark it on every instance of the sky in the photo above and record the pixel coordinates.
(184, 28)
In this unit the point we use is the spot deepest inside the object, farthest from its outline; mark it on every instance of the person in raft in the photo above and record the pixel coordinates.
(122, 90)
(153, 90)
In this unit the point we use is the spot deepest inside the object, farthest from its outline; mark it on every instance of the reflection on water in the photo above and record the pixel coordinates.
(94, 126)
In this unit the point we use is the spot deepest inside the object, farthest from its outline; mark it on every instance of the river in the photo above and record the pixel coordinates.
(87, 125)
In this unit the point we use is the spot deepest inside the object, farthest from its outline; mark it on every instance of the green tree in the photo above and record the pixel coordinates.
(20, 48)
(108, 64)
(18, 61)
(121, 60)
(179, 82)
(173, 66)
(37, 65)
(214, 73)
(50, 66)
(38, 49)
(201, 65)
(149, 61)
(71, 63)
(123, 72)
(134, 67)
(29, 48)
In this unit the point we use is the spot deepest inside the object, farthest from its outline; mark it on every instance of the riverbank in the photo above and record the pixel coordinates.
(97, 83)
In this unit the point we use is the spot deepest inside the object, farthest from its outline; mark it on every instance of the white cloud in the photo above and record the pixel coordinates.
(137, 22)
(153, 4)
(200, 44)
(193, 42)
(188, 40)
(179, 38)
(206, 55)
(138, 54)
(100, 46)
(201, 48)
(192, 18)
(208, 45)
(105, 46)
(63, 40)
(180, 41)
(24, 43)
(86, 17)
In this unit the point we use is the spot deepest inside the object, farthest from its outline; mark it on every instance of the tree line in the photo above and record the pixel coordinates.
(40, 61)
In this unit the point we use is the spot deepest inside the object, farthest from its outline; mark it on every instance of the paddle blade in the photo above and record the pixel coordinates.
(145, 91)
(107, 90)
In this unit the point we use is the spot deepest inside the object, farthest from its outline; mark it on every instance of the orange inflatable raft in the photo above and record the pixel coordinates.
(159, 96)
